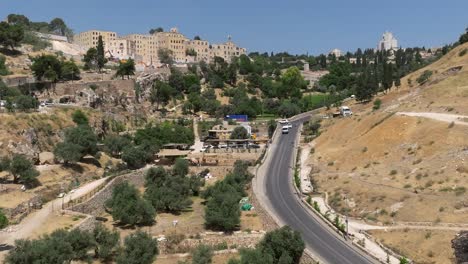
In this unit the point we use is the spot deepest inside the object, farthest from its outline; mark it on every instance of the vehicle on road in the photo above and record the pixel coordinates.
(284, 121)
(285, 130)
(345, 111)
(253, 146)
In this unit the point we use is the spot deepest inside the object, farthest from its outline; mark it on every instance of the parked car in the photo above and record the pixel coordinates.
(222, 145)
(253, 146)
(284, 121)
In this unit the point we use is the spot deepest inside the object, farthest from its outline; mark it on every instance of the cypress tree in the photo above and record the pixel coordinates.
(101, 59)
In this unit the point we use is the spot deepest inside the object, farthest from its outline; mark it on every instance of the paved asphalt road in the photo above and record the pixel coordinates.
(319, 237)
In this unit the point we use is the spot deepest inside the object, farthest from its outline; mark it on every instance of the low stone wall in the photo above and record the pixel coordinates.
(236, 240)
(95, 205)
(19, 212)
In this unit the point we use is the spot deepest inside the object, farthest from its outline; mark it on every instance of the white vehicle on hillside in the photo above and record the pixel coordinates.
(345, 111)
(284, 122)
(285, 130)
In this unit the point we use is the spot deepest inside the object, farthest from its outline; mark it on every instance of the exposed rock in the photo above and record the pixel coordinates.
(460, 246)
(46, 158)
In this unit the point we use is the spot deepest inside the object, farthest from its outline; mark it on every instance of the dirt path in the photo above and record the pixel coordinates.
(198, 144)
(448, 118)
(38, 218)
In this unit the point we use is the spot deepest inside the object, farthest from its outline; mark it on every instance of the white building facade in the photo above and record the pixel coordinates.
(387, 42)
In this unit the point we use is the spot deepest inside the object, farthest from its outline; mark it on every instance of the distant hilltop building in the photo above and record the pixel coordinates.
(335, 52)
(144, 47)
(388, 42)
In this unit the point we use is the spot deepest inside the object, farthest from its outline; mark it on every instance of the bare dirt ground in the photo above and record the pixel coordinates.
(217, 258)
(422, 246)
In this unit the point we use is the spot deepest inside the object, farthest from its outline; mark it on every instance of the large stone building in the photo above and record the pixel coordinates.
(388, 42)
(89, 39)
(144, 47)
(335, 52)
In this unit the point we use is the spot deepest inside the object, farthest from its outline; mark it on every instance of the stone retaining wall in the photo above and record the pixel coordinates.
(95, 205)
(236, 240)
(19, 212)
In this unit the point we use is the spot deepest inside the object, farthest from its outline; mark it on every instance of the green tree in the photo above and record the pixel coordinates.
(127, 206)
(202, 255)
(80, 118)
(239, 133)
(161, 92)
(255, 256)
(58, 26)
(222, 209)
(115, 144)
(106, 242)
(126, 68)
(3, 67)
(3, 220)
(197, 37)
(100, 55)
(283, 240)
(81, 242)
(139, 248)
(22, 170)
(168, 192)
(176, 80)
(288, 109)
(26, 102)
(69, 70)
(84, 137)
(464, 37)
(196, 183)
(134, 156)
(17, 19)
(293, 82)
(181, 167)
(10, 35)
(68, 152)
(165, 56)
(156, 30)
(90, 59)
(46, 67)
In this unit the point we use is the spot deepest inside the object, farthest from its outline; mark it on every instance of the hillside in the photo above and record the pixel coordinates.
(407, 161)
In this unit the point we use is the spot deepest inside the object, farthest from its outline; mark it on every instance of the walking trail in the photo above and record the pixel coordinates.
(449, 118)
(35, 220)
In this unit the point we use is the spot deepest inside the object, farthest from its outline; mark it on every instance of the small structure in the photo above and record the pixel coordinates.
(219, 133)
(238, 118)
(172, 154)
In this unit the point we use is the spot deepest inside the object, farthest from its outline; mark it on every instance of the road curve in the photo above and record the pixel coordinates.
(320, 239)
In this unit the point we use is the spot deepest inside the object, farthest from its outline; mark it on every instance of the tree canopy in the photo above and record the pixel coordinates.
(128, 207)
(139, 248)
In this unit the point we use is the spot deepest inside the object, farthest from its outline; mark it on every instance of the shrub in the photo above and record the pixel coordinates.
(202, 255)
(393, 172)
(128, 207)
(139, 248)
(80, 118)
(424, 77)
(377, 104)
(3, 220)
(463, 52)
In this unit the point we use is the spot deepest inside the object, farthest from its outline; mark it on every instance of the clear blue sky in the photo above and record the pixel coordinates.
(296, 26)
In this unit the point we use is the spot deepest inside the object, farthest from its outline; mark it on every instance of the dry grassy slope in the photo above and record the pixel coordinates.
(388, 162)
(17, 128)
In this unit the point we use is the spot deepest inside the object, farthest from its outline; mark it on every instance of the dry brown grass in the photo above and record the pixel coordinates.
(420, 246)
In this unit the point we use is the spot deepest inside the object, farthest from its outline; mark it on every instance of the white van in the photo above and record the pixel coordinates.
(345, 111)
(285, 130)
